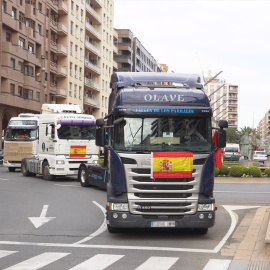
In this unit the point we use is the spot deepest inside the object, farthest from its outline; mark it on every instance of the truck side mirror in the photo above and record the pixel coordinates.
(100, 136)
(100, 122)
(223, 123)
(221, 138)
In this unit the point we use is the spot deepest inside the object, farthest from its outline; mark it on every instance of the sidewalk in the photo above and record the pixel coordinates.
(247, 180)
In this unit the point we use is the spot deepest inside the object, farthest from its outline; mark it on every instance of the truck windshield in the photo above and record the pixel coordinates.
(163, 134)
(21, 134)
(81, 132)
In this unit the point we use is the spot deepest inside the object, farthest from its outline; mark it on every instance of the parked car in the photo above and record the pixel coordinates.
(259, 156)
(1, 156)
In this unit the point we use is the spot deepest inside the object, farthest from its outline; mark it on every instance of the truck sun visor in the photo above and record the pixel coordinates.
(71, 122)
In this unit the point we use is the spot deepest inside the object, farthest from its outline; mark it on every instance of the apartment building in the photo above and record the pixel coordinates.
(55, 52)
(263, 128)
(224, 101)
(132, 55)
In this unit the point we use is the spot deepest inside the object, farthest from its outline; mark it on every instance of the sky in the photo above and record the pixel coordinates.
(195, 36)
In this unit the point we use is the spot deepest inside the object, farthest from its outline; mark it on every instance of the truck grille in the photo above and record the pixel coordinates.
(162, 196)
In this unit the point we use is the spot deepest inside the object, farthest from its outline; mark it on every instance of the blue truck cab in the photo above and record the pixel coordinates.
(156, 120)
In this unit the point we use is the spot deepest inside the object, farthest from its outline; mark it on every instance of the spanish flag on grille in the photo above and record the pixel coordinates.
(77, 151)
(172, 164)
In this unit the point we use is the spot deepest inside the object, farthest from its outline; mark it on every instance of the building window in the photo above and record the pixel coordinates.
(71, 48)
(81, 15)
(31, 47)
(39, 29)
(76, 51)
(38, 96)
(39, 7)
(77, 11)
(81, 34)
(70, 68)
(30, 94)
(71, 27)
(80, 92)
(4, 7)
(8, 37)
(70, 89)
(75, 90)
(72, 7)
(12, 89)
(14, 13)
(21, 43)
(12, 63)
(81, 53)
(80, 73)
(20, 91)
(76, 30)
(75, 72)
(20, 66)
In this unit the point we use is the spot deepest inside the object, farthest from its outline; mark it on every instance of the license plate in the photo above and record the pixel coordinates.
(162, 223)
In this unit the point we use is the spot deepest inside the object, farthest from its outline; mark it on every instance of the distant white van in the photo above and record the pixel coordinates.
(231, 152)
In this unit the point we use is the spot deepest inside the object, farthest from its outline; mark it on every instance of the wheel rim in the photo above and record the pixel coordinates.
(83, 175)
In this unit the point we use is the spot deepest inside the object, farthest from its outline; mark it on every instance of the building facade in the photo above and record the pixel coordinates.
(263, 128)
(55, 52)
(224, 101)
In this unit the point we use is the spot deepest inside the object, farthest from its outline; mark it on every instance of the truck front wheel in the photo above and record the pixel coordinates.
(25, 172)
(46, 171)
(83, 177)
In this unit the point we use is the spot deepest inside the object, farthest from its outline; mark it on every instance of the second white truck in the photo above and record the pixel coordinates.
(66, 139)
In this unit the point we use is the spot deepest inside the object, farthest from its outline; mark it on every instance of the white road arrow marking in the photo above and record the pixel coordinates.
(39, 221)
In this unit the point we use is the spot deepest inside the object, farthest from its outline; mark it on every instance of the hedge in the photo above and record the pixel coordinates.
(236, 171)
(255, 171)
(224, 170)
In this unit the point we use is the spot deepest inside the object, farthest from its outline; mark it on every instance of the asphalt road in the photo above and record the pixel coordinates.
(61, 223)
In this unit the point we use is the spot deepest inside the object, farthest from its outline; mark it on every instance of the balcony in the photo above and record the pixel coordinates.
(89, 83)
(123, 59)
(60, 92)
(115, 34)
(20, 102)
(61, 71)
(93, 14)
(92, 48)
(54, 46)
(92, 67)
(54, 4)
(62, 29)
(125, 46)
(31, 83)
(62, 50)
(93, 32)
(115, 49)
(54, 24)
(10, 22)
(30, 12)
(96, 3)
(115, 65)
(91, 102)
(12, 74)
(62, 7)
(53, 67)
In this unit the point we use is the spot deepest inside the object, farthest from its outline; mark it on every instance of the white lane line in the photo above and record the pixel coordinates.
(2, 179)
(158, 263)
(98, 262)
(217, 264)
(100, 230)
(61, 185)
(4, 253)
(38, 261)
(229, 208)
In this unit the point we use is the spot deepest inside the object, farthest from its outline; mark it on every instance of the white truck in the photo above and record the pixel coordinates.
(20, 140)
(66, 139)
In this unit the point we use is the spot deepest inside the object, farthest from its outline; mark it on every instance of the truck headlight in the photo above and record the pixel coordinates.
(60, 162)
(119, 206)
(95, 161)
(206, 207)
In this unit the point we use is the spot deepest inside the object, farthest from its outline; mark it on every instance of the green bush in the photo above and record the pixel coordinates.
(216, 171)
(255, 171)
(224, 170)
(245, 169)
(267, 171)
(236, 171)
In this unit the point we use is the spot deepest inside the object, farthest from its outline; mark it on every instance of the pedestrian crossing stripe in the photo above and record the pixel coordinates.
(102, 261)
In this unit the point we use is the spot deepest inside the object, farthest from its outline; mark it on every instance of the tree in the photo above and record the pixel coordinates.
(248, 130)
(233, 135)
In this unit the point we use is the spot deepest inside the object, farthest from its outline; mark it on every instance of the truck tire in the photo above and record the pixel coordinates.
(112, 229)
(46, 172)
(11, 169)
(25, 172)
(201, 231)
(82, 175)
